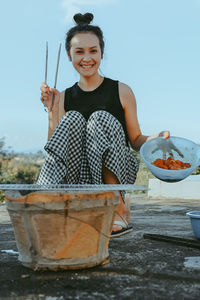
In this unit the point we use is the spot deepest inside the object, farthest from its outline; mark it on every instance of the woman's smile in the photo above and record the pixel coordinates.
(87, 66)
(85, 54)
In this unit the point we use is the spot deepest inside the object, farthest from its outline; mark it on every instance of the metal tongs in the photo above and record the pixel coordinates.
(56, 75)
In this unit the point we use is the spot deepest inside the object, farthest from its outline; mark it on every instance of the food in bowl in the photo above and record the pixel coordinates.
(170, 164)
(158, 147)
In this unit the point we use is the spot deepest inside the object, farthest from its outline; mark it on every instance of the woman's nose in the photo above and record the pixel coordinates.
(86, 57)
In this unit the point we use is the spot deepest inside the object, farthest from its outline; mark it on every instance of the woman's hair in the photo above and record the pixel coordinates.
(83, 26)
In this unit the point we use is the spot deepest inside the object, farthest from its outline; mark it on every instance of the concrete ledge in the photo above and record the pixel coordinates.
(188, 188)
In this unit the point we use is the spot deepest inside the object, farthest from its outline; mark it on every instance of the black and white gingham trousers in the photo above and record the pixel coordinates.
(77, 149)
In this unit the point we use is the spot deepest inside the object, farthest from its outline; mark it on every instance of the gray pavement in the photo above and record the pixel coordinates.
(139, 268)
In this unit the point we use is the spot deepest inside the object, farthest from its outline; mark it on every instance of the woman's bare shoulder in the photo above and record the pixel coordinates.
(126, 94)
(124, 87)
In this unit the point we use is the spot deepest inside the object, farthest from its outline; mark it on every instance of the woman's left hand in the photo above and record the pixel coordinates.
(165, 134)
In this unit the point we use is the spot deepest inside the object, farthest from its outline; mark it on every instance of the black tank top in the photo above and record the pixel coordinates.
(104, 97)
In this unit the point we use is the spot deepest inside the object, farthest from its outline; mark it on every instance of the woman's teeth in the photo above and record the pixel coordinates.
(87, 67)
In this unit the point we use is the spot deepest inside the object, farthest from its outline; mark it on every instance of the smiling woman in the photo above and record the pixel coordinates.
(92, 123)
(85, 54)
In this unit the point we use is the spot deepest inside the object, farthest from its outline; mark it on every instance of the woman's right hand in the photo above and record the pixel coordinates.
(47, 96)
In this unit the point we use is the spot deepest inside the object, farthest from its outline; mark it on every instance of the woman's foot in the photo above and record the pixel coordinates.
(122, 216)
(120, 228)
(122, 219)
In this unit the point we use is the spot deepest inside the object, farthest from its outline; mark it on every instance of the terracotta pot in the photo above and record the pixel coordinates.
(62, 230)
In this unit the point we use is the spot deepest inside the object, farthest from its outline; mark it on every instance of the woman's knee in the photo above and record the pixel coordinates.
(100, 115)
(106, 121)
(74, 119)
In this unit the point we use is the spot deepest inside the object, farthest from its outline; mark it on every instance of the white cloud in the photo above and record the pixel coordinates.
(75, 6)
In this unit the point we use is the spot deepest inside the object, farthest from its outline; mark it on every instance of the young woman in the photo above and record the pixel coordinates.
(93, 123)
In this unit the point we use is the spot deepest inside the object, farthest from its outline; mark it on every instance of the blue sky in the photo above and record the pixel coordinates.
(151, 45)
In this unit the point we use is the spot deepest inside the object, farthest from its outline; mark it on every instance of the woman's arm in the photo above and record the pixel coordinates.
(56, 112)
(137, 139)
(53, 120)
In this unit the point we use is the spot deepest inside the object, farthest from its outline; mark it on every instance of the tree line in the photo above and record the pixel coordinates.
(18, 168)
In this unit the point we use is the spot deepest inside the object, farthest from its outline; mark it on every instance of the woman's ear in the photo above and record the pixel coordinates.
(69, 56)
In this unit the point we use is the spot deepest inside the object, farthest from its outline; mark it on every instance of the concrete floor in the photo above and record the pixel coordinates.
(139, 268)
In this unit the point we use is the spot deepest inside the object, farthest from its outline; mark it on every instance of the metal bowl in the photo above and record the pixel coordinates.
(154, 148)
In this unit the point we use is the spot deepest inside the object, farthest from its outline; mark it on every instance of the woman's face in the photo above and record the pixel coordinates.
(85, 53)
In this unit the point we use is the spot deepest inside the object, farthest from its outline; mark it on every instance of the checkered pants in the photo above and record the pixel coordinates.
(77, 149)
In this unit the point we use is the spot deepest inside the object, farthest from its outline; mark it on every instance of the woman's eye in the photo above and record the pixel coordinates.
(93, 51)
(79, 51)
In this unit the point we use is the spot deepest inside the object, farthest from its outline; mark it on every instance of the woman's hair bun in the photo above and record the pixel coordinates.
(83, 19)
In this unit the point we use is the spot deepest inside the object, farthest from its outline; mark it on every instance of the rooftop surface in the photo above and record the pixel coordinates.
(139, 268)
